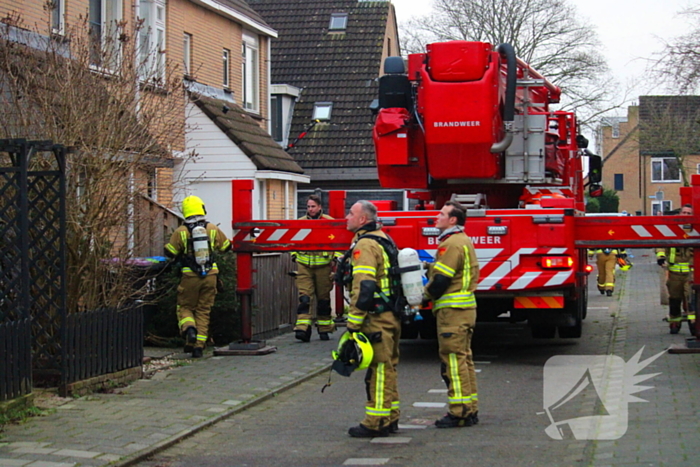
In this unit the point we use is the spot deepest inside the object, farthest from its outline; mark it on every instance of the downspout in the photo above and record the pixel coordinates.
(506, 51)
(268, 84)
(130, 226)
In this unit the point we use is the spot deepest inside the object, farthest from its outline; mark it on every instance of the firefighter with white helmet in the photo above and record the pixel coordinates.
(194, 244)
(453, 278)
(313, 278)
(371, 315)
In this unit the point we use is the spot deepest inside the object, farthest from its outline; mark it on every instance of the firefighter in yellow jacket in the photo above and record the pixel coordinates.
(453, 278)
(194, 244)
(314, 278)
(680, 266)
(606, 260)
(370, 314)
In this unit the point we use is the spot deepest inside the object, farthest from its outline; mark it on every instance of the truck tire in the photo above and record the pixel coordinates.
(579, 308)
(543, 331)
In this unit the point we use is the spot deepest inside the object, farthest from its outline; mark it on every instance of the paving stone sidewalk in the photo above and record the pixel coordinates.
(119, 428)
(665, 431)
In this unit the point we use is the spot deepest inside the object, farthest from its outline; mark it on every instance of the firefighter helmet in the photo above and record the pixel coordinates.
(624, 264)
(193, 206)
(354, 353)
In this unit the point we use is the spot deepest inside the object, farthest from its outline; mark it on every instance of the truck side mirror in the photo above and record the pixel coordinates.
(595, 168)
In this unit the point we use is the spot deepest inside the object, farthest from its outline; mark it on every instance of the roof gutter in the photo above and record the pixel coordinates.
(238, 16)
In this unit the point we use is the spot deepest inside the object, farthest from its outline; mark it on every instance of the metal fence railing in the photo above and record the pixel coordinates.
(102, 341)
(15, 359)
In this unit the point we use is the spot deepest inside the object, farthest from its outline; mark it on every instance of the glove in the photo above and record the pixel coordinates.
(661, 261)
(622, 255)
(294, 259)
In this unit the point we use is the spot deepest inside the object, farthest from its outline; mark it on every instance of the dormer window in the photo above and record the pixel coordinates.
(339, 21)
(322, 111)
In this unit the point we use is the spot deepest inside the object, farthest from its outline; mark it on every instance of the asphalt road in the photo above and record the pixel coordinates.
(305, 427)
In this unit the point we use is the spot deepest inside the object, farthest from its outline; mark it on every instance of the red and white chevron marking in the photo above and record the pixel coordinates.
(508, 272)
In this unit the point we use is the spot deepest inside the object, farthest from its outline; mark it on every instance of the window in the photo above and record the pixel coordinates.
(619, 182)
(152, 184)
(698, 169)
(660, 207)
(103, 17)
(665, 170)
(276, 118)
(322, 111)
(152, 39)
(59, 9)
(250, 64)
(186, 53)
(339, 21)
(616, 130)
(225, 64)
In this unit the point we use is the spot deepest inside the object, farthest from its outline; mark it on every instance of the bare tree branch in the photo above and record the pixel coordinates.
(546, 34)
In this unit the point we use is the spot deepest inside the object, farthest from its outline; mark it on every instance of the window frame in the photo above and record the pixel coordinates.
(276, 120)
(250, 72)
(152, 39)
(58, 17)
(226, 68)
(619, 182)
(338, 22)
(110, 12)
(661, 203)
(187, 53)
(319, 107)
(660, 160)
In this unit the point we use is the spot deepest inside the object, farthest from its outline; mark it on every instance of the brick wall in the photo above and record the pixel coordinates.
(621, 155)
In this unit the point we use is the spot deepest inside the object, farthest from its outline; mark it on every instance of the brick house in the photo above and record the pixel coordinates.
(224, 47)
(327, 70)
(640, 152)
(221, 49)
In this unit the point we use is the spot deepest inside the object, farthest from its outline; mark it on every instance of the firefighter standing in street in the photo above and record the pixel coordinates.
(314, 278)
(606, 260)
(194, 244)
(680, 266)
(452, 281)
(370, 314)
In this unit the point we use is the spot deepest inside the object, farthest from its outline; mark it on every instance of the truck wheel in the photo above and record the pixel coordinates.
(572, 331)
(543, 332)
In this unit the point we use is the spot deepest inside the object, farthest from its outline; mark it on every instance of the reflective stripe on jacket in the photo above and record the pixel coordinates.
(456, 259)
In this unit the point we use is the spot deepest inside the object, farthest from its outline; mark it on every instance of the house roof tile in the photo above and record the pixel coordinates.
(329, 67)
(243, 130)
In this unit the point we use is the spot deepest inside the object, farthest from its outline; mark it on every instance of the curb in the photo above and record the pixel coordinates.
(141, 455)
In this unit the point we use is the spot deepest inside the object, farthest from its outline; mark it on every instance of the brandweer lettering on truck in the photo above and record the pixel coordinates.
(481, 240)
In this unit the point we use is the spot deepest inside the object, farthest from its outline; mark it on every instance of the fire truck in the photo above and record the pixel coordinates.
(470, 122)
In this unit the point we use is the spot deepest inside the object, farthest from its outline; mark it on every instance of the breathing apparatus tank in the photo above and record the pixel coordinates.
(411, 270)
(200, 247)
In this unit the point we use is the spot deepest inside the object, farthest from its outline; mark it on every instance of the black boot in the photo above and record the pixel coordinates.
(190, 339)
(451, 421)
(361, 431)
(304, 336)
(608, 293)
(394, 427)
